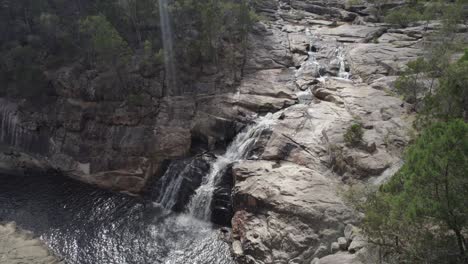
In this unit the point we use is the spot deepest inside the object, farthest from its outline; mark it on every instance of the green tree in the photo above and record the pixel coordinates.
(105, 45)
(421, 212)
(412, 82)
(450, 99)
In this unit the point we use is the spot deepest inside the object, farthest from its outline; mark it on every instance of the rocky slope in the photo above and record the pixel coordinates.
(18, 246)
(288, 203)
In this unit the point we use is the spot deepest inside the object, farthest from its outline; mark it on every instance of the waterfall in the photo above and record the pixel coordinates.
(13, 134)
(342, 73)
(310, 67)
(171, 184)
(200, 203)
(310, 52)
(169, 63)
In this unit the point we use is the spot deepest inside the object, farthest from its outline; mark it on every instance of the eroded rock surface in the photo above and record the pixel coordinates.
(18, 246)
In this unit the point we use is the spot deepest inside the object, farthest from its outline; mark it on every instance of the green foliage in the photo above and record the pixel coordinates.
(151, 57)
(411, 83)
(415, 10)
(420, 215)
(350, 3)
(108, 33)
(105, 43)
(135, 99)
(464, 58)
(353, 135)
(215, 21)
(21, 73)
(403, 16)
(159, 57)
(450, 100)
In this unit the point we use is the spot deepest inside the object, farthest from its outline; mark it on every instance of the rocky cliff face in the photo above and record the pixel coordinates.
(92, 129)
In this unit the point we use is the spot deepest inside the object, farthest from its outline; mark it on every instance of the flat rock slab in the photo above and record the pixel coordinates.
(351, 32)
(19, 247)
(340, 258)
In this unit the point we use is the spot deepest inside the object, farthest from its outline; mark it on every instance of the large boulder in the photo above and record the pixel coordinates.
(285, 211)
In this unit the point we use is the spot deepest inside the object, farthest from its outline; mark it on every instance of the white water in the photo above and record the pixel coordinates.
(312, 37)
(167, 37)
(200, 204)
(340, 55)
(11, 132)
(311, 61)
(170, 186)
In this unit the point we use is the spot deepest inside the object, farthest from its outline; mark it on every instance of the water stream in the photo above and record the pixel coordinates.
(200, 204)
(13, 134)
(340, 55)
(169, 58)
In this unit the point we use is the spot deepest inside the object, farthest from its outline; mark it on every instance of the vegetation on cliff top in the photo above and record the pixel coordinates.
(420, 214)
(39, 36)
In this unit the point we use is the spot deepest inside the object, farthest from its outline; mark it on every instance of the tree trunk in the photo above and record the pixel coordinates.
(461, 245)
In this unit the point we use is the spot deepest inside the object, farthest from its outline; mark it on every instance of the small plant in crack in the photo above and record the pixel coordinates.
(354, 134)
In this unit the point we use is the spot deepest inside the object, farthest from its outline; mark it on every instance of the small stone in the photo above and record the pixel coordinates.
(315, 261)
(358, 243)
(321, 251)
(335, 247)
(349, 231)
(343, 243)
(237, 248)
(295, 261)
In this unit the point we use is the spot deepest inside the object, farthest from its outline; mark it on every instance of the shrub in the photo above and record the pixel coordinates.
(403, 16)
(159, 57)
(135, 100)
(353, 135)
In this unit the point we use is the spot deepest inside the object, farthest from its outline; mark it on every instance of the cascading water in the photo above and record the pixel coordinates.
(13, 134)
(342, 73)
(310, 67)
(180, 180)
(200, 204)
(310, 52)
(168, 45)
(171, 185)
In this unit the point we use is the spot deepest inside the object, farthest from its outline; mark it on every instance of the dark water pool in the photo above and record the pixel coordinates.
(85, 225)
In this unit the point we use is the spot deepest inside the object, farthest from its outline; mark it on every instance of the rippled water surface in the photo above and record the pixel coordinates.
(85, 225)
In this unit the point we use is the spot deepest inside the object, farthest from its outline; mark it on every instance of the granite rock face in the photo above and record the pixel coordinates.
(287, 199)
(18, 246)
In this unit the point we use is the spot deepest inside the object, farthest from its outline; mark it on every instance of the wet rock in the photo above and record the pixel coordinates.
(237, 248)
(17, 163)
(179, 182)
(222, 211)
